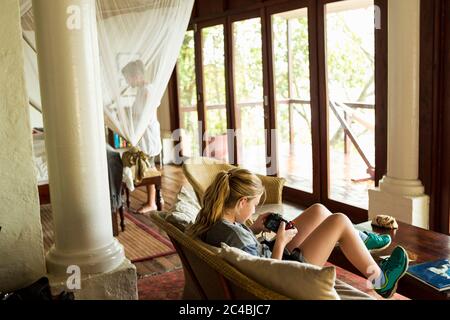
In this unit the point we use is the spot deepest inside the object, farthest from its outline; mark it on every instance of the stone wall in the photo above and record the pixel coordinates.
(21, 248)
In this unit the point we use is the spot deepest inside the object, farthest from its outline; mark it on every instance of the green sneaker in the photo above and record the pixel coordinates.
(394, 268)
(377, 242)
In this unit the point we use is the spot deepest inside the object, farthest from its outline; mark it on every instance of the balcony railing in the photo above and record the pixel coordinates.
(343, 111)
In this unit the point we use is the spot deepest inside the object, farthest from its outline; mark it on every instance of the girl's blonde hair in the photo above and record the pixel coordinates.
(224, 193)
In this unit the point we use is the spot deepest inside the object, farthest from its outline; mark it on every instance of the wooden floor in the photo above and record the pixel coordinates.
(172, 181)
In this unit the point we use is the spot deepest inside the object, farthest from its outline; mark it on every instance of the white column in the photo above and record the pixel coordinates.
(403, 99)
(401, 193)
(69, 68)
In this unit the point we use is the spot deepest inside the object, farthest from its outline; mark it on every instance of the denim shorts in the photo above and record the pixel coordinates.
(295, 255)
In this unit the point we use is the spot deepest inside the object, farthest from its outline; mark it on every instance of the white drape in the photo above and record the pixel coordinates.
(151, 31)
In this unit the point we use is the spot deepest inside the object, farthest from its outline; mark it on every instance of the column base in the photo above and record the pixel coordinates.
(413, 210)
(119, 284)
(404, 187)
(90, 262)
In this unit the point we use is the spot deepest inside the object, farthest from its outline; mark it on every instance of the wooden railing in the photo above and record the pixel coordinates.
(345, 118)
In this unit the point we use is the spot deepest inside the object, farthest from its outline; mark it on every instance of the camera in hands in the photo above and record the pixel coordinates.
(272, 222)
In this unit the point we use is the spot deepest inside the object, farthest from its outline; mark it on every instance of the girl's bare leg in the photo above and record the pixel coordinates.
(150, 205)
(151, 196)
(317, 247)
(307, 222)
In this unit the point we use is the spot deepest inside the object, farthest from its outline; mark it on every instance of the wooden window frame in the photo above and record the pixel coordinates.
(291, 194)
(434, 144)
(234, 121)
(356, 214)
(316, 15)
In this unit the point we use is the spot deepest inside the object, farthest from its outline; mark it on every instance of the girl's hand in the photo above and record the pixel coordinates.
(285, 236)
(258, 225)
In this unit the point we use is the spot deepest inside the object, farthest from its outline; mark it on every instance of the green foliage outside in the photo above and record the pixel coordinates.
(350, 66)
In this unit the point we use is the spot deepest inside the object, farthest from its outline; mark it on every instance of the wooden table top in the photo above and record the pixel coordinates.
(422, 245)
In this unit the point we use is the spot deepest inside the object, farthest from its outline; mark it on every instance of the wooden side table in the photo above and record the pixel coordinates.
(422, 246)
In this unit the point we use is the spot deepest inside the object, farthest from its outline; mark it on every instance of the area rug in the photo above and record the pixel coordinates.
(165, 286)
(140, 242)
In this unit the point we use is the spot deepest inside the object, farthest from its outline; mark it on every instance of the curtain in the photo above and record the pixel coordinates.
(131, 33)
(152, 33)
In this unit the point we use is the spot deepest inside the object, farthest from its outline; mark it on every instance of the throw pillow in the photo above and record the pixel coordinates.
(274, 188)
(296, 280)
(185, 209)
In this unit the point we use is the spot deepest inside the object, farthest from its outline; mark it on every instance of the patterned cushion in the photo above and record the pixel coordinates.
(357, 286)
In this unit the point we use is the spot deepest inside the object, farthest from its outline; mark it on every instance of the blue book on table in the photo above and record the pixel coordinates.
(434, 273)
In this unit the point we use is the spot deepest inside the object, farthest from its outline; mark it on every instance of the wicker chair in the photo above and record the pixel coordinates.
(201, 171)
(209, 277)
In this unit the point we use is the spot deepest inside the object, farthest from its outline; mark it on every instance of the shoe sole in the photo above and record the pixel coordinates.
(382, 248)
(394, 290)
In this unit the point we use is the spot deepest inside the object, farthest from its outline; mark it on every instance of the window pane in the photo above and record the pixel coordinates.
(187, 94)
(350, 41)
(293, 106)
(248, 84)
(214, 91)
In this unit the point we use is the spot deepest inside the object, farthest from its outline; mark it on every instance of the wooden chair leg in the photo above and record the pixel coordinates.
(127, 192)
(158, 197)
(122, 219)
(114, 223)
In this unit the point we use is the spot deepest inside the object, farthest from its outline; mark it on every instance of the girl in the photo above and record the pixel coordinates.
(134, 73)
(231, 200)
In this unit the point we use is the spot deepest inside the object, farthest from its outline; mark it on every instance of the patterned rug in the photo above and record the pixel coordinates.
(166, 286)
(141, 243)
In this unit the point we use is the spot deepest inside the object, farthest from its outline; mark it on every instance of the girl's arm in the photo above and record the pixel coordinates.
(277, 252)
(282, 239)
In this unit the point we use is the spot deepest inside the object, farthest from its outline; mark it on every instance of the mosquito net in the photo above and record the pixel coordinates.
(139, 43)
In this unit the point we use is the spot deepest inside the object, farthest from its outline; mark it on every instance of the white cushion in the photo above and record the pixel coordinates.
(185, 210)
(293, 279)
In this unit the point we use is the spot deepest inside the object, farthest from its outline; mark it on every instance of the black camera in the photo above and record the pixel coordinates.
(272, 222)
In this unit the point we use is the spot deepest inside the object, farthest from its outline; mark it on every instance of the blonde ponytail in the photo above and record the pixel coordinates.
(224, 193)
